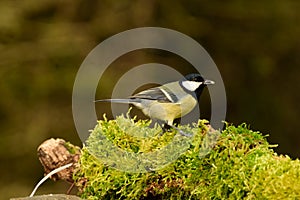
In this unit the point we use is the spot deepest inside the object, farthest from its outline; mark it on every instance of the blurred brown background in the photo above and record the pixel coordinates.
(255, 44)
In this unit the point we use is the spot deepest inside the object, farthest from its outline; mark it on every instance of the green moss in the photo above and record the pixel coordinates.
(72, 148)
(239, 165)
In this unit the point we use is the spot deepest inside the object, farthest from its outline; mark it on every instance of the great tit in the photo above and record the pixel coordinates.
(169, 101)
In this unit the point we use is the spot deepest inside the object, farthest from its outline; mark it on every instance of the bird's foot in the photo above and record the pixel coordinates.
(167, 127)
(182, 132)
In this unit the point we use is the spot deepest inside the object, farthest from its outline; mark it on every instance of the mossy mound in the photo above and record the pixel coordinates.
(240, 164)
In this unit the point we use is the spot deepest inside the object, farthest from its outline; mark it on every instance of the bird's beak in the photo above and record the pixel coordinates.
(209, 82)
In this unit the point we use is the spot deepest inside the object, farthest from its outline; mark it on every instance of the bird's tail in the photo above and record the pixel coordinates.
(126, 101)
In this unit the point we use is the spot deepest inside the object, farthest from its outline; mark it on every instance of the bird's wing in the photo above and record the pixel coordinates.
(160, 94)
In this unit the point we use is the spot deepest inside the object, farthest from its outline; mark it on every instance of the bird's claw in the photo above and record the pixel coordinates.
(184, 133)
(167, 127)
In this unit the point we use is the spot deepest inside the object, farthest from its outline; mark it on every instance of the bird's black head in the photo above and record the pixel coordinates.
(194, 77)
(195, 83)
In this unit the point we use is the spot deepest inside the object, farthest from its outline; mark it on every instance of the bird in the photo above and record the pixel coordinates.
(169, 101)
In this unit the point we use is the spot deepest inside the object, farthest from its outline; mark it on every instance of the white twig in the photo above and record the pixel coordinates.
(48, 175)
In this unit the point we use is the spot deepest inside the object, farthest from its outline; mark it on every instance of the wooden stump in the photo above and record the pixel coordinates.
(54, 153)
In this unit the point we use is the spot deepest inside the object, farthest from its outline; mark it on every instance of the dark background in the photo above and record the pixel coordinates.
(255, 45)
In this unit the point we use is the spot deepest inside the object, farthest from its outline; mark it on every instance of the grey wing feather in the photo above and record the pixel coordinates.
(155, 94)
(160, 94)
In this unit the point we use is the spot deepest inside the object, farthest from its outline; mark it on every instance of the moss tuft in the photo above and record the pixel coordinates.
(239, 165)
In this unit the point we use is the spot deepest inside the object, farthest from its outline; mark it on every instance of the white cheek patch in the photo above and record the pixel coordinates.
(191, 85)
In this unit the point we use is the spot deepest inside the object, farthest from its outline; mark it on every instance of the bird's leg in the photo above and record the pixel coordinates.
(174, 126)
(176, 121)
(183, 133)
(167, 127)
